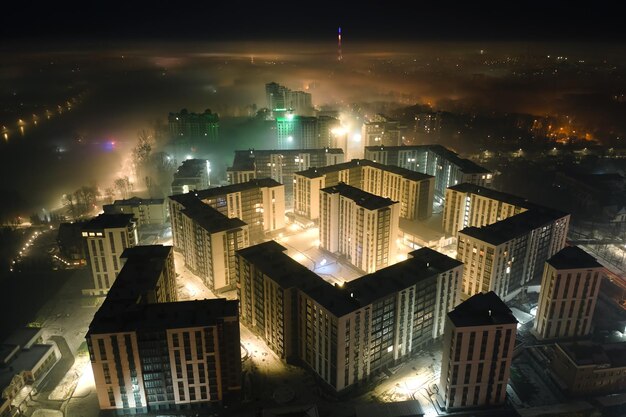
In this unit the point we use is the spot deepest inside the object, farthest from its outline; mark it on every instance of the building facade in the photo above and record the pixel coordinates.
(193, 174)
(381, 130)
(107, 236)
(478, 344)
(281, 99)
(146, 210)
(345, 333)
(258, 203)
(149, 352)
(506, 255)
(358, 225)
(443, 164)
(569, 290)
(413, 191)
(209, 240)
(280, 165)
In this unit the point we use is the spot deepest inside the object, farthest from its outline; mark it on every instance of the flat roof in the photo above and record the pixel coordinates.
(464, 165)
(24, 360)
(271, 259)
(493, 194)
(405, 173)
(137, 201)
(226, 189)
(573, 257)
(210, 219)
(361, 198)
(611, 355)
(24, 336)
(410, 408)
(482, 309)
(514, 226)
(109, 221)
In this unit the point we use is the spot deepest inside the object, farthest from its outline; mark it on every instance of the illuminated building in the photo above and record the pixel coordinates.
(209, 240)
(145, 210)
(193, 174)
(194, 125)
(345, 333)
(569, 290)
(107, 236)
(280, 165)
(327, 133)
(587, 368)
(358, 225)
(381, 130)
(281, 99)
(446, 166)
(297, 132)
(506, 255)
(259, 203)
(414, 191)
(478, 343)
(149, 352)
(427, 127)
(470, 205)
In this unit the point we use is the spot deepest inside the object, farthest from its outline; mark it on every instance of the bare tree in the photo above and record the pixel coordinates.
(70, 203)
(123, 186)
(109, 193)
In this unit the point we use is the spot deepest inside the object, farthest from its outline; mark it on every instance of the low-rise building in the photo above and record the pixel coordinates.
(478, 344)
(259, 203)
(414, 191)
(345, 333)
(149, 352)
(146, 210)
(569, 290)
(588, 368)
(445, 165)
(358, 225)
(107, 236)
(192, 175)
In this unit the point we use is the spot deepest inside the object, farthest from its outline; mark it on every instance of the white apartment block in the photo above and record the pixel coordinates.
(359, 225)
(145, 210)
(107, 235)
(569, 290)
(478, 344)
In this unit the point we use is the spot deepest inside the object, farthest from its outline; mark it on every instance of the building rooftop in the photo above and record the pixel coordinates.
(410, 408)
(270, 257)
(482, 309)
(137, 201)
(24, 337)
(405, 173)
(610, 355)
(464, 165)
(226, 189)
(362, 198)
(108, 221)
(573, 257)
(24, 360)
(210, 219)
(493, 194)
(512, 227)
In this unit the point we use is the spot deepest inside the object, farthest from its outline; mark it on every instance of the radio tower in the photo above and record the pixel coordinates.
(339, 54)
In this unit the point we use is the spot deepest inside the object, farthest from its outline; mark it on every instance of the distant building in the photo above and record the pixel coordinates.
(506, 255)
(328, 137)
(149, 352)
(24, 361)
(259, 203)
(587, 368)
(297, 132)
(209, 241)
(381, 131)
(446, 166)
(569, 290)
(146, 210)
(414, 191)
(194, 125)
(107, 236)
(72, 247)
(358, 225)
(478, 344)
(192, 175)
(427, 127)
(280, 165)
(345, 333)
(281, 99)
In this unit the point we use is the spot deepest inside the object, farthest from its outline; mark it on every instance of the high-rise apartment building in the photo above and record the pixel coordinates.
(345, 333)
(506, 255)
(569, 290)
(297, 132)
(259, 203)
(281, 99)
(280, 165)
(381, 130)
(193, 174)
(414, 191)
(149, 352)
(358, 225)
(446, 166)
(427, 127)
(145, 210)
(209, 241)
(194, 125)
(107, 236)
(478, 343)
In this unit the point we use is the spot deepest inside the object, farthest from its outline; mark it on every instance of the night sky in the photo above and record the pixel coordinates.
(170, 20)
